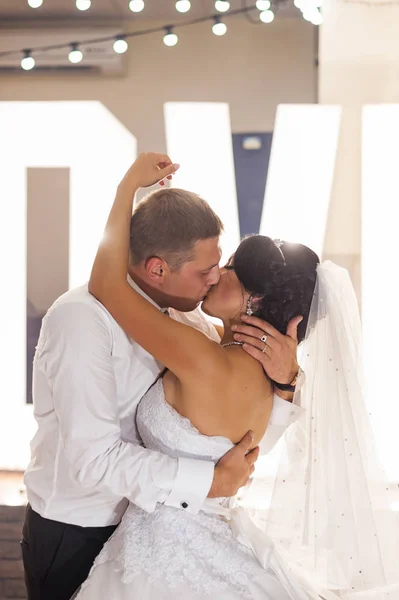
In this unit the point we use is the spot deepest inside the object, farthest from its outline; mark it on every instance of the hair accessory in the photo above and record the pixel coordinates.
(278, 243)
(249, 310)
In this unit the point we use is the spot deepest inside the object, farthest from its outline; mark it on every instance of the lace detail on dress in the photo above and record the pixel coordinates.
(176, 548)
(170, 545)
(162, 428)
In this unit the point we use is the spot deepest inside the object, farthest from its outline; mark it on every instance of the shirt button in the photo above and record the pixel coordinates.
(184, 504)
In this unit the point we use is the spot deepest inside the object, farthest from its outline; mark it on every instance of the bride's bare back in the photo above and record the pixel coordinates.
(225, 405)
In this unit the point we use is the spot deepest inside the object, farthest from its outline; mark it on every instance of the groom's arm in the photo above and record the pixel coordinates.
(77, 359)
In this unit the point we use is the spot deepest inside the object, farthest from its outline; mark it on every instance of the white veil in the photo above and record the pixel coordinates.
(331, 516)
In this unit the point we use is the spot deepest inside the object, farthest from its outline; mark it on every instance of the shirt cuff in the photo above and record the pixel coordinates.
(283, 414)
(192, 484)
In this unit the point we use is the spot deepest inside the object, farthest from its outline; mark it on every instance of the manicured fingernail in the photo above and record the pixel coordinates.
(176, 166)
(237, 336)
(244, 317)
(234, 327)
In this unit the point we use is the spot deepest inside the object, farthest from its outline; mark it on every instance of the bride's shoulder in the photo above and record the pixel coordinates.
(245, 368)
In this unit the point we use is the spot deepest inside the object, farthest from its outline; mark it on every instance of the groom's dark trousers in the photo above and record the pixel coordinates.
(57, 557)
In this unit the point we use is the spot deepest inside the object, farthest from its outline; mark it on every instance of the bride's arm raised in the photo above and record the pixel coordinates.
(184, 350)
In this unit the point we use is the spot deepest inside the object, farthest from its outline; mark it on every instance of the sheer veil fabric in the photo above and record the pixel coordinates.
(331, 516)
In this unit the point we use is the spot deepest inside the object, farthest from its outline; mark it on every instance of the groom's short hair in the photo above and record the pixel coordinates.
(168, 223)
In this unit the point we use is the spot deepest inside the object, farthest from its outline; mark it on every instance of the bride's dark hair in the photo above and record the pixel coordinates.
(282, 280)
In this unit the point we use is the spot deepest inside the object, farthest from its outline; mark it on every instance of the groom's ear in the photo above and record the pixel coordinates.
(156, 269)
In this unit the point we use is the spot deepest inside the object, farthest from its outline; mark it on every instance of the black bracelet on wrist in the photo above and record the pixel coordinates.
(285, 387)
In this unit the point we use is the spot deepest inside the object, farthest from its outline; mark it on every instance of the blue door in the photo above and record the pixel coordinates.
(251, 160)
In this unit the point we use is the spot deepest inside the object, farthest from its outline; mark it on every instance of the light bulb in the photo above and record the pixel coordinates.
(136, 5)
(35, 3)
(310, 14)
(28, 62)
(170, 38)
(266, 16)
(183, 6)
(316, 18)
(83, 4)
(120, 46)
(263, 4)
(309, 6)
(222, 5)
(219, 28)
(75, 55)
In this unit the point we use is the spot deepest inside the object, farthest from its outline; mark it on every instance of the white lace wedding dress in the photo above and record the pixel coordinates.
(171, 554)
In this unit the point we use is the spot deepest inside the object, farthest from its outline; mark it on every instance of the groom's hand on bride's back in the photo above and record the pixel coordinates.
(234, 468)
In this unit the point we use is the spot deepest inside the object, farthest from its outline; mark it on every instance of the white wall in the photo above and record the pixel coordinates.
(359, 52)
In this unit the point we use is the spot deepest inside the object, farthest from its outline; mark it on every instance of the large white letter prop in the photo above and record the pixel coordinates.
(97, 148)
(198, 136)
(380, 287)
(301, 173)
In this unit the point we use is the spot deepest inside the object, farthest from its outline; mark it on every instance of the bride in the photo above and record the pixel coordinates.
(209, 396)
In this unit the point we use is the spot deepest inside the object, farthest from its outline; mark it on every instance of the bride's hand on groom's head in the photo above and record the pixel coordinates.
(276, 352)
(149, 168)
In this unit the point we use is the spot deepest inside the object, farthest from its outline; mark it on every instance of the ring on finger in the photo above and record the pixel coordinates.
(264, 338)
(264, 348)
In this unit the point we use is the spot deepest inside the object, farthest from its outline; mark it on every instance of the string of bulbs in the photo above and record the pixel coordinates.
(309, 9)
(137, 6)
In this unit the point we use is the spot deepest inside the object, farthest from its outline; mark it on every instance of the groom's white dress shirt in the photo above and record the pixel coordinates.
(86, 459)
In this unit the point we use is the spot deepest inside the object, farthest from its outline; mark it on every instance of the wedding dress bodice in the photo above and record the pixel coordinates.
(171, 545)
(162, 428)
(172, 554)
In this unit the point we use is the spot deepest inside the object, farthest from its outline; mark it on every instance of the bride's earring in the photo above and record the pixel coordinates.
(249, 310)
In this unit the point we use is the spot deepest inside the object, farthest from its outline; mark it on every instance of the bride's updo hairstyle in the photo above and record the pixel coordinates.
(281, 278)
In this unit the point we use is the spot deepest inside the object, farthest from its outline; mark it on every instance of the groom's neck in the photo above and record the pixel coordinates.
(152, 292)
(228, 336)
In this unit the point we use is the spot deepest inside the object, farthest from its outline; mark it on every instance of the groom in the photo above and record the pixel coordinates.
(87, 462)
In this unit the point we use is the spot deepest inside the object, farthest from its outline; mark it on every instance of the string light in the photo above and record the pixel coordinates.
(136, 6)
(120, 45)
(75, 55)
(313, 16)
(308, 5)
(222, 5)
(310, 10)
(263, 4)
(317, 18)
(183, 6)
(170, 38)
(267, 16)
(83, 4)
(28, 62)
(218, 27)
(35, 3)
